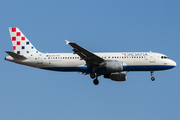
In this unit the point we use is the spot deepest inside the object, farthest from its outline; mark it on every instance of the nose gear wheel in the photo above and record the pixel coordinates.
(152, 78)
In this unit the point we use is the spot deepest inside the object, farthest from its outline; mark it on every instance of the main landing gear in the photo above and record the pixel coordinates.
(152, 78)
(92, 75)
(95, 81)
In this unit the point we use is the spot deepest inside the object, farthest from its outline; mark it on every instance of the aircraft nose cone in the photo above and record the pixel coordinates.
(174, 63)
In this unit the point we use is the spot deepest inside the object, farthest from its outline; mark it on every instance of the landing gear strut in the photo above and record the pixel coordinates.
(152, 78)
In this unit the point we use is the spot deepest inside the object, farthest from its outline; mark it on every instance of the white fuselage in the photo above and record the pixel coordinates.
(132, 61)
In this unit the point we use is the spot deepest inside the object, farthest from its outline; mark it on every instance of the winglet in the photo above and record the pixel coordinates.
(67, 42)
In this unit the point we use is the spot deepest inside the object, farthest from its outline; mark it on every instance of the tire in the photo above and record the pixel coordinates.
(152, 78)
(96, 82)
(92, 75)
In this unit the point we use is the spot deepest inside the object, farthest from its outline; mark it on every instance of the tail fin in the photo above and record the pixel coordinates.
(21, 44)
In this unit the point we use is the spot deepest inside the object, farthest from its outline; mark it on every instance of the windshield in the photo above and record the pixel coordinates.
(164, 57)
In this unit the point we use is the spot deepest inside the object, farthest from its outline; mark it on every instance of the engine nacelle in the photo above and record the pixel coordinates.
(118, 76)
(112, 66)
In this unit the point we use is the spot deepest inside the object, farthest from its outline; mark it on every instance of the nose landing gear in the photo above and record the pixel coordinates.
(152, 78)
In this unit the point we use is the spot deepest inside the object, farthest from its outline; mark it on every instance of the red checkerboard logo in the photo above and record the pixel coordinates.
(22, 38)
(18, 43)
(13, 29)
(18, 34)
(14, 47)
(13, 38)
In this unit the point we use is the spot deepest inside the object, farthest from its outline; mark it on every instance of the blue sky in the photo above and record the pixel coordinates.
(99, 26)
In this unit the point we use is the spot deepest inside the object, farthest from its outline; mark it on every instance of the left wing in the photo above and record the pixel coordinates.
(16, 56)
(89, 57)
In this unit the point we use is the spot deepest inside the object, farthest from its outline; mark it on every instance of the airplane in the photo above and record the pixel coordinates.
(112, 66)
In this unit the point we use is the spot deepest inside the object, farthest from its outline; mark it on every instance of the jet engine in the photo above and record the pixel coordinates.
(112, 66)
(118, 76)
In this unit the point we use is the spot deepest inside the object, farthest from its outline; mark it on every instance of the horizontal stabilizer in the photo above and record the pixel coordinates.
(15, 56)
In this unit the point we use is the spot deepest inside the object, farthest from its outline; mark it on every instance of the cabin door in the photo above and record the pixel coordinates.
(40, 59)
(152, 57)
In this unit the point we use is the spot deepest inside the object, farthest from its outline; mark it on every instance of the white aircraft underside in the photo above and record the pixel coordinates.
(112, 65)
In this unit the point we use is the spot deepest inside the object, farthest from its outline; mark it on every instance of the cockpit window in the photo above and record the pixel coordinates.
(164, 57)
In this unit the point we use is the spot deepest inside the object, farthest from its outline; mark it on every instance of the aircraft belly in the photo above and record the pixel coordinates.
(146, 67)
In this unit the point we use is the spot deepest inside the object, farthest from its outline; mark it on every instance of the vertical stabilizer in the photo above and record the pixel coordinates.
(21, 44)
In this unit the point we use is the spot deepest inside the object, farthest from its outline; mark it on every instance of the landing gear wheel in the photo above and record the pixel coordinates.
(95, 81)
(152, 78)
(92, 75)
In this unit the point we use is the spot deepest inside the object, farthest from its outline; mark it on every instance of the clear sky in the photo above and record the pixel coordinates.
(100, 26)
